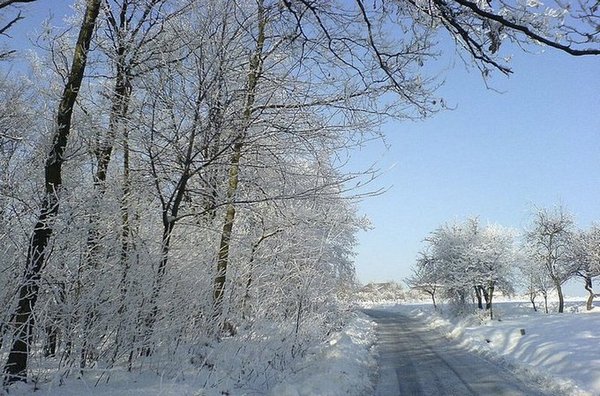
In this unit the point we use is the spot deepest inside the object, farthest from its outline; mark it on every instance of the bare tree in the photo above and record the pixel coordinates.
(16, 365)
(9, 23)
(535, 280)
(254, 74)
(586, 255)
(133, 32)
(550, 243)
(426, 277)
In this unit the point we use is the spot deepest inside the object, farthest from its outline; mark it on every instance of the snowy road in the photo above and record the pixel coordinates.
(414, 360)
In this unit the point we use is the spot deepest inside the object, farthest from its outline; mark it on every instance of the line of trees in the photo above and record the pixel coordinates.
(464, 260)
(172, 170)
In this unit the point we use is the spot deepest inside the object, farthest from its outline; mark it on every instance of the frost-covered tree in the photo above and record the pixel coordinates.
(481, 29)
(586, 256)
(10, 15)
(534, 279)
(22, 321)
(426, 276)
(549, 239)
(495, 254)
(464, 257)
(449, 247)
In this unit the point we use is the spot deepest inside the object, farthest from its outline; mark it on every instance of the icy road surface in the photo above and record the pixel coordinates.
(414, 360)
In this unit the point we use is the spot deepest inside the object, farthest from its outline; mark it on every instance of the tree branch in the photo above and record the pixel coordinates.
(525, 30)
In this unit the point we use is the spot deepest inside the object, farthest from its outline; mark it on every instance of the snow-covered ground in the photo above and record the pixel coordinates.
(559, 351)
(343, 365)
(346, 365)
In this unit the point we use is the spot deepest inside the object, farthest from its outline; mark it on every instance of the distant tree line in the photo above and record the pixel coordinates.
(466, 260)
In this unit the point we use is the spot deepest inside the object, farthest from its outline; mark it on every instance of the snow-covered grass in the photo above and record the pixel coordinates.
(559, 351)
(345, 365)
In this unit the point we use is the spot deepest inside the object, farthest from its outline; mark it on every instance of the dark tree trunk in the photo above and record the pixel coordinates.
(16, 365)
(169, 219)
(223, 256)
(486, 296)
(51, 341)
(490, 298)
(255, 246)
(561, 297)
(589, 305)
(479, 297)
(120, 103)
(246, 298)
(532, 299)
(124, 254)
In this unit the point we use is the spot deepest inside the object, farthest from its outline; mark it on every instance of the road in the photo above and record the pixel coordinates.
(414, 360)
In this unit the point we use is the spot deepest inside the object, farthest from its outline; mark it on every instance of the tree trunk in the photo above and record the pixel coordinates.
(118, 111)
(255, 70)
(124, 254)
(486, 296)
(479, 298)
(489, 300)
(589, 305)
(120, 103)
(246, 298)
(532, 299)
(51, 341)
(223, 256)
(158, 280)
(561, 298)
(16, 365)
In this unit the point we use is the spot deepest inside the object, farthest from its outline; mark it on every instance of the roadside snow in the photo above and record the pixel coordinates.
(558, 351)
(343, 366)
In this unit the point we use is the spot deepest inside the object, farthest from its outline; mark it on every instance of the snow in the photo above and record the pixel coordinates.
(345, 365)
(558, 351)
(129, 384)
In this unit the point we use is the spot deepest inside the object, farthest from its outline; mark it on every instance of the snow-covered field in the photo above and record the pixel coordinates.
(559, 351)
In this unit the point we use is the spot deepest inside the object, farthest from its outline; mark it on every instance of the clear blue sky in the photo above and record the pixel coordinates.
(497, 155)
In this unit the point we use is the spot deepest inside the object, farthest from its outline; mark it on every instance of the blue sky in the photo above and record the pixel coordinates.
(496, 156)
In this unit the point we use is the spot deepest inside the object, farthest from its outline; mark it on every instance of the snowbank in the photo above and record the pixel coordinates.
(345, 365)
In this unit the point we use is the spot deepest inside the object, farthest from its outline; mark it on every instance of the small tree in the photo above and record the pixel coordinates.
(493, 251)
(550, 242)
(586, 255)
(465, 257)
(426, 276)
